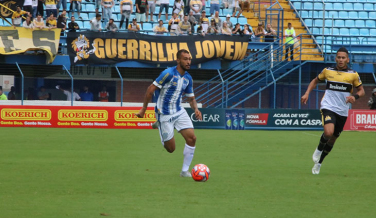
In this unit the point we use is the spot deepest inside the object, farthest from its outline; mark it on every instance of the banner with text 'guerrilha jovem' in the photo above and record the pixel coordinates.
(112, 48)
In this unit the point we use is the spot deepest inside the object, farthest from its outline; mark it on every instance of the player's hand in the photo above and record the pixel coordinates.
(141, 113)
(198, 114)
(350, 99)
(304, 99)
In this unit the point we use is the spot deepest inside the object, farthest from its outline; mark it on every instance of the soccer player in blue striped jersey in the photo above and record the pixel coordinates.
(340, 82)
(172, 83)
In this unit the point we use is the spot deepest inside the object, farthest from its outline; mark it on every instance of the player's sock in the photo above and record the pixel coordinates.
(188, 156)
(322, 143)
(328, 147)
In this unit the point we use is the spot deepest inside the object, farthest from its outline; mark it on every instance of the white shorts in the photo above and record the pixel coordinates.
(167, 124)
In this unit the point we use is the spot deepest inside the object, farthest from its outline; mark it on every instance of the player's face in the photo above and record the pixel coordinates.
(185, 61)
(342, 59)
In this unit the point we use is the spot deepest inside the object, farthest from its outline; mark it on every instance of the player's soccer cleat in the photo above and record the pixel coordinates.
(316, 168)
(155, 125)
(316, 156)
(185, 174)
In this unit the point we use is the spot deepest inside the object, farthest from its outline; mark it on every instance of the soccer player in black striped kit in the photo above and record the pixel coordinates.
(340, 81)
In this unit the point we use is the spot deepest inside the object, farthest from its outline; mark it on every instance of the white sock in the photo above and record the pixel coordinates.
(188, 156)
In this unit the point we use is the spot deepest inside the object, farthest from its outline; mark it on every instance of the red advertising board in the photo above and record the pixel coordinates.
(75, 117)
(361, 120)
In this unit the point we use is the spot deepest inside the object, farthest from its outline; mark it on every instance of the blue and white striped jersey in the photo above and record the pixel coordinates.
(172, 85)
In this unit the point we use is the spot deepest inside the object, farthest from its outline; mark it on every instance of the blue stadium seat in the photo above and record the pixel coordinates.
(90, 8)
(318, 23)
(308, 22)
(307, 5)
(329, 22)
(333, 14)
(363, 15)
(344, 31)
(335, 31)
(315, 31)
(81, 24)
(348, 6)
(313, 14)
(364, 32)
(371, 0)
(371, 14)
(233, 20)
(304, 14)
(339, 23)
(317, 6)
(7, 24)
(172, 2)
(87, 24)
(372, 32)
(91, 15)
(84, 16)
(320, 14)
(116, 8)
(338, 6)
(297, 5)
(354, 32)
(349, 23)
(148, 26)
(242, 20)
(369, 6)
(359, 6)
(353, 14)
(359, 23)
(343, 14)
(370, 23)
(207, 11)
(227, 11)
(328, 6)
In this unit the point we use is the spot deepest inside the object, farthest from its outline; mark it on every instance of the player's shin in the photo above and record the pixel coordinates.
(328, 147)
(322, 143)
(188, 157)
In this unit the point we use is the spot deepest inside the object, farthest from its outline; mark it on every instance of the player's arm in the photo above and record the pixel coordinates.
(360, 93)
(148, 96)
(192, 102)
(311, 86)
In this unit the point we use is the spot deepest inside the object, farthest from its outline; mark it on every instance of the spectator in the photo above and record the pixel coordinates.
(196, 6)
(68, 93)
(51, 7)
(141, 6)
(214, 7)
(192, 21)
(372, 100)
(236, 7)
(164, 4)
(270, 33)
(107, 9)
(187, 7)
(290, 35)
(40, 9)
(73, 26)
(199, 31)
(96, 23)
(51, 22)
(17, 16)
(173, 23)
(62, 21)
(134, 26)
(178, 8)
(126, 7)
(59, 3)
(111, 26)
(39, 22)
(2, 95)
(103, 95)
(229, 23)
(98, 4)
(184, 27)
(28, 6)
(151, 9)
(247, 30)
(213, 29)
(217, 19)
(86, 95)
(259, 32)
(225, 29)
(42, 94)
(160, 29)
(204, 22)
(12, 93)
(236, 30)
(34, 9)
(28, 24)
(76, 5)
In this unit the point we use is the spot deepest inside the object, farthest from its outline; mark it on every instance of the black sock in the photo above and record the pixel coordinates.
(121, 23)
(126, 23)
(327, 149)
(322, 143)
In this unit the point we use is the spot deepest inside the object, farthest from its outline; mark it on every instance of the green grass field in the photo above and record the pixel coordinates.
(50, 173)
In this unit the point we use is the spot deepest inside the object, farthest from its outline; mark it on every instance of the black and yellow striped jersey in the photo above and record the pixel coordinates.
(126, 5)
(339, 85)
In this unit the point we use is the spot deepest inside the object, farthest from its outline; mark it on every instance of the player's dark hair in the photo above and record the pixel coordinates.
(178, 55)
(343, 49)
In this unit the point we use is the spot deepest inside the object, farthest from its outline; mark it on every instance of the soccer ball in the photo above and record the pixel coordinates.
(200, 173)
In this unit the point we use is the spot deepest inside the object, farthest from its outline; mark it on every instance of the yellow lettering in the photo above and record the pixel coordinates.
(145, 50)
(161, 52)
(238, 53)
(99, 52)
(198, 49)
(220, 47)
(171, 49)
(154, 50)
(132, 52)
(122, 48)
(208, 48)
(229, 50)
(111, 48)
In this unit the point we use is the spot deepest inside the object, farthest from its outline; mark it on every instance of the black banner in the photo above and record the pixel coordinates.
(112, 48)
(12, 4)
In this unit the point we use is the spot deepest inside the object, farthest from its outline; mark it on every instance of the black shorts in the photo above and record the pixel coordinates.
(331, 117)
